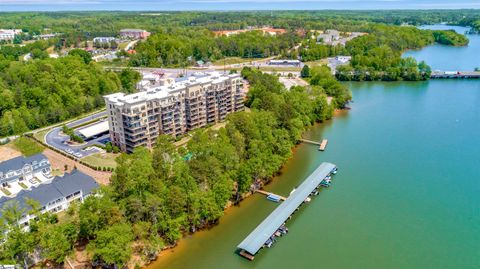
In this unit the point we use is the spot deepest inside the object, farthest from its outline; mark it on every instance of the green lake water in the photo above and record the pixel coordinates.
(407, 194)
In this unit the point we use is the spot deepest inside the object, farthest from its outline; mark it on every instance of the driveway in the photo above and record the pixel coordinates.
(55, 139)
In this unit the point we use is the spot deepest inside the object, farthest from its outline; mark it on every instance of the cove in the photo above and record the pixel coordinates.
(406, 194)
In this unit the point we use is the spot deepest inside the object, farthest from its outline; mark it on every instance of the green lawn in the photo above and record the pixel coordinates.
(102, 160)
(27, 146)
(41, 135)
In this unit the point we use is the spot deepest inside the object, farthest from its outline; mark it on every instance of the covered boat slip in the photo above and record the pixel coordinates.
(255, 240)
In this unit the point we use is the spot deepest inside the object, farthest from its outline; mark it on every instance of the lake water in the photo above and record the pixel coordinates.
(407, 194)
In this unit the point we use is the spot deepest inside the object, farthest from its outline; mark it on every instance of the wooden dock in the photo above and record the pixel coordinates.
(321, 145)
(268, 193)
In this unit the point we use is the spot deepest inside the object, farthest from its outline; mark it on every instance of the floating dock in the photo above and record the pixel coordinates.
(323, 145)
(273, 194)
(265, 230)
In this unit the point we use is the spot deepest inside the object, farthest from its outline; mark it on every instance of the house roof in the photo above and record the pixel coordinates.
(58, 188)
(19, 162)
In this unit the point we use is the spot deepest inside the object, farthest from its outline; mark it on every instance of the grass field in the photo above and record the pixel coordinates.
(27, 146)
(102, 160)
(317, 63)
(235, 60)
(41, 135)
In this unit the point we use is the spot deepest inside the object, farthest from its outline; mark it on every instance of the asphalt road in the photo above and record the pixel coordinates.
(59, 141)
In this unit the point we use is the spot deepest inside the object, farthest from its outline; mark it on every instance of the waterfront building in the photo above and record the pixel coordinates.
(134, 33)
(53, 197)
(172, 107)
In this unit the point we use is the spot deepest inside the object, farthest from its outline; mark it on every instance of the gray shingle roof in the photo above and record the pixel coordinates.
(59, 188)
(19, 162)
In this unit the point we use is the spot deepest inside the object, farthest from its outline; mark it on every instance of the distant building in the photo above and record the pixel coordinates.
(9, 34)
(23, 168)
(103, 40)
(134, 33)
(46, 36)
(265, 30)
(285, 62)
(53, 197)
(172, 107)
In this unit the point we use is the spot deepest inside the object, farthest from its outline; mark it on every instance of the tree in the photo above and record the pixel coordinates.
(113, 245)
(55, 242)
(305, 73)
(84, 55)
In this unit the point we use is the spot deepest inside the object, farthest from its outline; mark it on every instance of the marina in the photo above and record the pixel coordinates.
(266, 232)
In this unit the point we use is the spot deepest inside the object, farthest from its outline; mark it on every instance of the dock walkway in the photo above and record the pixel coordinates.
(257, 238)
(271, 193)
(321, 145)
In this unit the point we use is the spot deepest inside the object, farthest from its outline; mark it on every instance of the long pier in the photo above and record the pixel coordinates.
(268, 229)
(455, 74)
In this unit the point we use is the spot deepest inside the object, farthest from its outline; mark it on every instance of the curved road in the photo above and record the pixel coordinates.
(58, 141)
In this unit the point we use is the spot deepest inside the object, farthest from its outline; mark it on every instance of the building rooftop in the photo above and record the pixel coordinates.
(132, 30)
(60, 187)
(255, 240)
(157, 91)
(20, 162)
(94, 129)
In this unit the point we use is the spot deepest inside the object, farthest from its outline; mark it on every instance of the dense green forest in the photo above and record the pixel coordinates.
(42, 92)
(182, 47)
(156, 196)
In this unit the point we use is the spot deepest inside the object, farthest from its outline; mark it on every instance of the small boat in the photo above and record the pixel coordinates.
(308, 199)
(278, 233)
(269, 243)
(273, 198)
(328, 177)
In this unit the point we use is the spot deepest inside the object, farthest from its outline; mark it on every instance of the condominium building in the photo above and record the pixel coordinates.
(172, 107)
(24, 168)
(53, 197)
(134, 33)
(9, 34)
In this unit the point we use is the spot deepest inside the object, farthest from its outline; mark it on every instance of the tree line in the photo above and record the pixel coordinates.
(38, 93)
(182, 47)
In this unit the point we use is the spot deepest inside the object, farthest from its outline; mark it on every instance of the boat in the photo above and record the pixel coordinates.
(308, 199)
(273, 198)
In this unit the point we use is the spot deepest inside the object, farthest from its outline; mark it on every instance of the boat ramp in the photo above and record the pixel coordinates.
(274, 225)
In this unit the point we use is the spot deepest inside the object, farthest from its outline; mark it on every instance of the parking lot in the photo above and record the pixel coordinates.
(58, 140)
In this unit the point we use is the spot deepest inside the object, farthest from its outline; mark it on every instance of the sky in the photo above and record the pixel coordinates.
(168, 5)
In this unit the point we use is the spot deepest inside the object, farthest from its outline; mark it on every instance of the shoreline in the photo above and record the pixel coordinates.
(168, 251)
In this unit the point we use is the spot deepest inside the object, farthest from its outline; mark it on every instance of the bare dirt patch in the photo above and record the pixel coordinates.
(7, 152)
